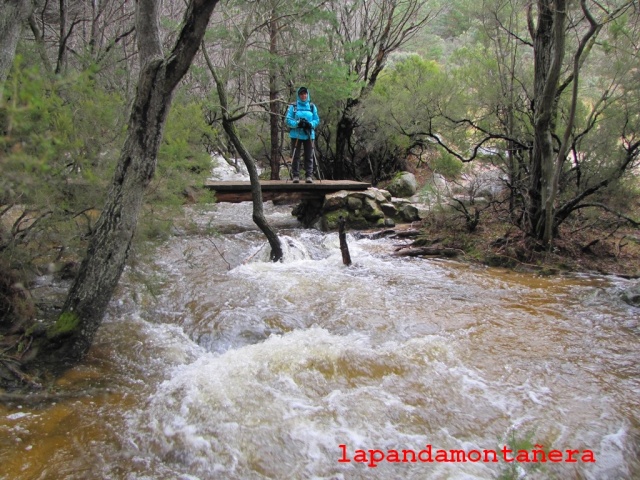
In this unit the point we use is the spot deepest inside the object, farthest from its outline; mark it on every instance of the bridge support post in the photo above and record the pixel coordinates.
(344, 246)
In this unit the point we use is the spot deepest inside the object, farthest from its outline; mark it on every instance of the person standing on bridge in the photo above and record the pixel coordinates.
(302, 119)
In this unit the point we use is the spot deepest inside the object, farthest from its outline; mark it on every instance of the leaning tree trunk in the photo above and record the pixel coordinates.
(100, 271)
(256, 192)
(228, 123)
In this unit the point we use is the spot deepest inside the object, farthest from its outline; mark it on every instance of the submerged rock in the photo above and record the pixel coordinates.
(632, 295)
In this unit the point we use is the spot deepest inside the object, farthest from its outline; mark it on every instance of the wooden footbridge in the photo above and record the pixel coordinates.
(281, 191)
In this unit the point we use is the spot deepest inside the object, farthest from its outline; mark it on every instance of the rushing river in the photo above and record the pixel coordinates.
(216, 364)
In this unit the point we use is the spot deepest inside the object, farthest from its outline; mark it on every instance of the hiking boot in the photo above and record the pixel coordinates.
(309, 180)
(296, 179)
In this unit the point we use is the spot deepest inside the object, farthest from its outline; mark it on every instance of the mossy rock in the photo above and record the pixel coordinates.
(383, 222)
(330, 220)
(354, 203)
(403, 185)
(358, 222)
(371, 211)
(354, 220)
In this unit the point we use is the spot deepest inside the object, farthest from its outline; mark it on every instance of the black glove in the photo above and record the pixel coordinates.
(304, 123)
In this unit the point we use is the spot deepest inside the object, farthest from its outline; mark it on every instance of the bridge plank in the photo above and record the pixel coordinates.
(240, 191)
(287, 185)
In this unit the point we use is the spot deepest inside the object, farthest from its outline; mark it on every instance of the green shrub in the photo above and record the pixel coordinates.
(447, 165)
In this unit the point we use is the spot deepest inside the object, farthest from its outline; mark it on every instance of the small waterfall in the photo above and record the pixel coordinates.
(228, 170)
(293, 250)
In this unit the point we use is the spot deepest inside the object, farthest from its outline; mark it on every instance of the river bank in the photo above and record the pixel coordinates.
(467, 216)
(499, 245)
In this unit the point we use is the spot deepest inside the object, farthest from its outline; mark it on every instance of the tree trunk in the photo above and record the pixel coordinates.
(256, 192)
(61, 64)
(109, 247)
(100, 271)
(383, 27)
(547, 164)
(344, 134)
(550, 207)
(549, 49)
(274, 118)
(429, 251)
(13, 13)
(344, 246)
(40, 44)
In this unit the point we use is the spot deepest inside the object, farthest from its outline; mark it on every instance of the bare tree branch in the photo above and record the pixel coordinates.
(635, 223)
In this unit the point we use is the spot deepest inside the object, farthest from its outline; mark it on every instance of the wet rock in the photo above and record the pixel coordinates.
(372, 208)
(403, 185)
(308, 211)
(334, 201)
(331, 219)
(389, 209)
(632, 295)
(354, 203)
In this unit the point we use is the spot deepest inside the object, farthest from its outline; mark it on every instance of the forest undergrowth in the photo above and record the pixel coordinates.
(495, 243)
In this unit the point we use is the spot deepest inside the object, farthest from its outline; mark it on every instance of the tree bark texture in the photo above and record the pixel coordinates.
(109, 246)
(344, 148)
(13, 14)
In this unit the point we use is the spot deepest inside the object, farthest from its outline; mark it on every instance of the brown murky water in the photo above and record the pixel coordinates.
(263, 371)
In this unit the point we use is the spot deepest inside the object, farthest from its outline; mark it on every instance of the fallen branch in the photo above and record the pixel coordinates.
(220, 253)
(407, 233)
(374, 235)
(391, 232)
(429, 251)
(11, 366)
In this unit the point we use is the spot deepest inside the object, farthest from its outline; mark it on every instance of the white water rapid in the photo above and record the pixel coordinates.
(216, 364)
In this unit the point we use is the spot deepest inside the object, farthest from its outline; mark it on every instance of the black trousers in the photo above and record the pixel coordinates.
(298, 146)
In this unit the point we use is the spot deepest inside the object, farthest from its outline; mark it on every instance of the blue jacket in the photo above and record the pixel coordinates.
(299, 110)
